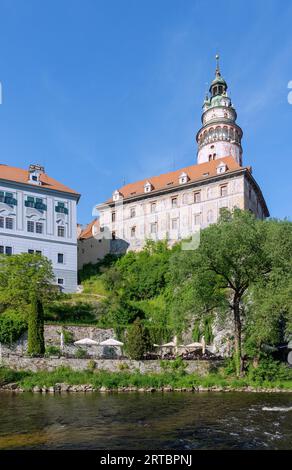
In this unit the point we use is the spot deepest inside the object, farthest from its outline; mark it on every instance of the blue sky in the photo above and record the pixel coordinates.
(102, 91)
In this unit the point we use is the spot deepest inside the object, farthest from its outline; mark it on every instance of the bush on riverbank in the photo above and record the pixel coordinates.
(113, 380)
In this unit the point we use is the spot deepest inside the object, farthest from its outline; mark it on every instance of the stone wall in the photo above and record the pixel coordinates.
(52, 338)
(111, 365)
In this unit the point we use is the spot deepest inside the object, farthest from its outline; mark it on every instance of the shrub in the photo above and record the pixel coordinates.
(68, 310)
(177, 366)
(269, 370)
(36, 342)
(123, 366)
(52, 351)
(137, 340)
(208, 334)
(68, 337)
(80, 353)
(91, 365)
(12, 326)
(196, 334)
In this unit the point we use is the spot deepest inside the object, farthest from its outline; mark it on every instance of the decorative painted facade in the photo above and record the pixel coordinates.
(173, 205)
(38, 215)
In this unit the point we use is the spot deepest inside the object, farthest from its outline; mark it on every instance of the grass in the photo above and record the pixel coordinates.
(94, 286)
(113, 380)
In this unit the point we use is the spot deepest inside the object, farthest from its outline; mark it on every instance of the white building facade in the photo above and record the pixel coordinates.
(173, 205)
(38, 215)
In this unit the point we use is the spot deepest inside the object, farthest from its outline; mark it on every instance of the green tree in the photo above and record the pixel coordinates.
(36, 343)
(230, 258)
(21, 276)
(137, 340)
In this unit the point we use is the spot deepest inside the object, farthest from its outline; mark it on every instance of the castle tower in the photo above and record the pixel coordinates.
(219, 135)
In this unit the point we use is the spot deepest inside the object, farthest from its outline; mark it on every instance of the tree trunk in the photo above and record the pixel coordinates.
(237, 335)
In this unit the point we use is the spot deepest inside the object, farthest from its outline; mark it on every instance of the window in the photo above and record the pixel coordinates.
(210, 216)
(113, 235)
(60, 258)
(197, 219)
(174, 202)
(174, 224)
(32, 252)
(113, 216)
(60, 281)
(223, 190)
(29, 201)
(39, 227)
(133, 212)
(8, 250)
(61, 231)
(185, 198)
(153, 228)
(197, 197)
(9, 223)
(60, 208)
(133, 231)
(30, 226)
(153, 207)
(1, 222)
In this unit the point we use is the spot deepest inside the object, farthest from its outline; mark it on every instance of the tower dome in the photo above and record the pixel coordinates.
(219, 136)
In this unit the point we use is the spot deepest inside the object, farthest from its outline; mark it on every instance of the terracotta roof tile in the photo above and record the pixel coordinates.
(87, 232)
(18, 175)
(171, 179)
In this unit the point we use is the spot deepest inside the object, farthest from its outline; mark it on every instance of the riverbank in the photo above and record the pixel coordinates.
(68, 380)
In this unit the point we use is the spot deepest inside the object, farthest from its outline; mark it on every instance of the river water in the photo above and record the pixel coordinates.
(181, 421)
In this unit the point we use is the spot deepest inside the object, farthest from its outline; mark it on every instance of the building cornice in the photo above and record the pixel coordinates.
(39, 188)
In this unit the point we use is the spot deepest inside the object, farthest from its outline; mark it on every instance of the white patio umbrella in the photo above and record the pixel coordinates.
(194, 345)
(111, 342)
(86, 342)
(171, 344)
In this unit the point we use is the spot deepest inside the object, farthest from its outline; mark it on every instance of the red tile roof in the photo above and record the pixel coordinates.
(87, 232)
(18, 175)
(171, 179)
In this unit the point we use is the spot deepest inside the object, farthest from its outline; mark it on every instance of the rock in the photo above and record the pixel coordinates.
(141, 389)
(167, 389)
(150, 390)
(51, 389)
(44, 389)
(103, 389)
(36, 389)
(12, 386)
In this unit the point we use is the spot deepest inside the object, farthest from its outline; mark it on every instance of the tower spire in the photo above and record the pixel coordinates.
(220, 135)
(217, 65)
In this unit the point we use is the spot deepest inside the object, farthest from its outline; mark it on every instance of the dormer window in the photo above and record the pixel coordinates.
(183, 178)
(221, 168)
(147, 187)
(117, 195)
(35, 171)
